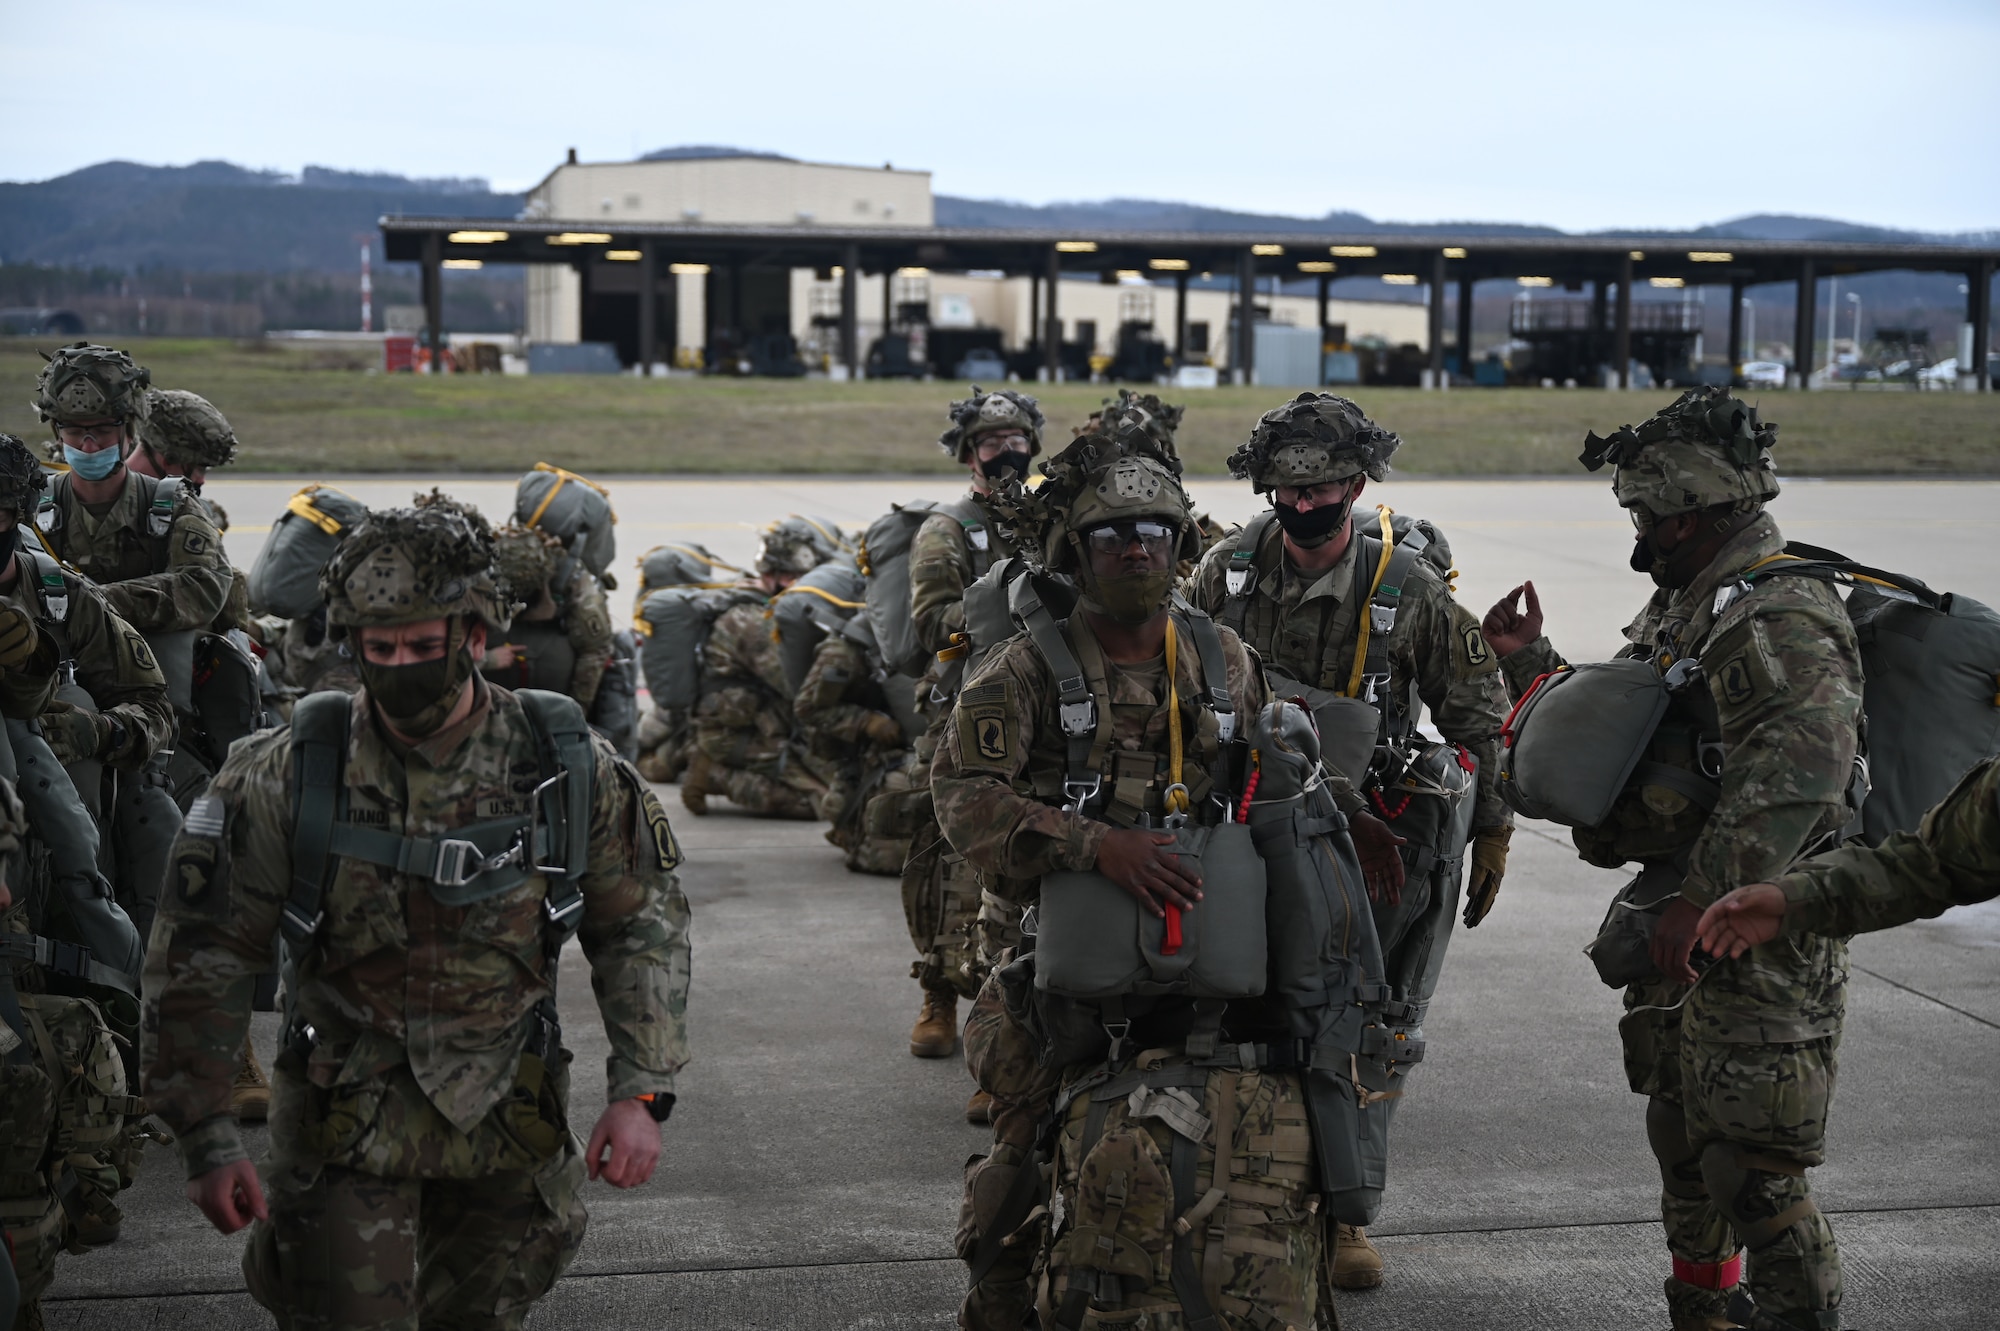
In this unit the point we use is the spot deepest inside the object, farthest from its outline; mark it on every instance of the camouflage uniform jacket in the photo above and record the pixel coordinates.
(743, 685)
(1309, 627)
(997, 775)
(1952, 859)
(840, 693)
(421, 1006)
(112, 661)
(1783, 671)
(157, 584)
(943, 563)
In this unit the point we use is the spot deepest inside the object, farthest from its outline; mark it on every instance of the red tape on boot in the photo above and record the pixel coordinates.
(1709, 1275)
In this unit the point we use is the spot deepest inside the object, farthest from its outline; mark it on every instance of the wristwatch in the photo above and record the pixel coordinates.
(658, 1103)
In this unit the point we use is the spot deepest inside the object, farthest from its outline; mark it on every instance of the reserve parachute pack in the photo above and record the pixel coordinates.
(1578, 738)
(284, 581)
(885, 562)
(819, 603)
(574, 510)
(672, 627)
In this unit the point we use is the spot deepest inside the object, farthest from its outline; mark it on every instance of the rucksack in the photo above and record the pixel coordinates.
(819, 603)
(689, 565)
(885, 562)
(672, 626)
(285, 579)
(573, 509)
(1931, 662)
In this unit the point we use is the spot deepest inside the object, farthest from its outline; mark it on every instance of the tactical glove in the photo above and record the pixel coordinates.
(1489, 866)
(18, 638)
(884, 730)
(74, 733)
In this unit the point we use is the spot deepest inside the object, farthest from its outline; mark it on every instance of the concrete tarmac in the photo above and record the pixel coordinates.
(812, 1167)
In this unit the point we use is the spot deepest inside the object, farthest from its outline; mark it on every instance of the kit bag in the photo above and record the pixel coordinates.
(672, 629)
(285, 579)
(573, 509)
(885, 562)
(820, 602)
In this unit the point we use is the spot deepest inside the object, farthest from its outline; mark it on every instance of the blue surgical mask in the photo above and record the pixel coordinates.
(91, 466)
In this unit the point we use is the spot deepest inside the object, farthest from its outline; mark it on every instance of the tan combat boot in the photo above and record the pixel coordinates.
(1693, 1308)
(250, 1093)
(1356, 1263)
(936, 1033)
(694, 784)
(979, 1109)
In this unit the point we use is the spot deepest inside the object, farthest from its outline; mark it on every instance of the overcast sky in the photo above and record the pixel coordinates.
(1577, 115)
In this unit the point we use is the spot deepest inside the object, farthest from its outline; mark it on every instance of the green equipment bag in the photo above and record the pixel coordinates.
(690, 565)
(1576, 738)
(885, 560)
(285, 579)
(803, 614)
(672, 627)
(1932, 697)
(574, 510)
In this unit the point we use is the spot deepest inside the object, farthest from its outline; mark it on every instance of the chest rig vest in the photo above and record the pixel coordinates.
(140, 553)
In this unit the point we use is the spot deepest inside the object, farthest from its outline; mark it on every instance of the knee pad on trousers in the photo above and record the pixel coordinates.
(1680, 1165)
(1735, 1177)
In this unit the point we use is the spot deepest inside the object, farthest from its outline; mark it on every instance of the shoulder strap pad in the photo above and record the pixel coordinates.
(50, 582)
(48, 509)
(320, 723)
(160, 511)
(562, 803)
(1076, 707)
(1214, 666)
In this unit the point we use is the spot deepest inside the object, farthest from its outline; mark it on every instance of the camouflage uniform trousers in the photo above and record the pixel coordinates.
(664, 740)
(771, 780)
(875, 836)
(473, 1243)
(1735, 1126)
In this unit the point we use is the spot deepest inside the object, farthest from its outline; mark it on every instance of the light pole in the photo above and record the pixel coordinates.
(1832, 312)
(1854, 299)
(1750, 328)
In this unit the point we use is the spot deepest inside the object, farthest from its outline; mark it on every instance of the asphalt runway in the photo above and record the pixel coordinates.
(812, 1167)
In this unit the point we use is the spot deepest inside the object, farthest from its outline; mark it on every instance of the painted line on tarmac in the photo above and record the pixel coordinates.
(1929, 998)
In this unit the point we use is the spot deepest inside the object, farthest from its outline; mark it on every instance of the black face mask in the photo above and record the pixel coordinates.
(1315, 526)
(998, 469)
(10, 541)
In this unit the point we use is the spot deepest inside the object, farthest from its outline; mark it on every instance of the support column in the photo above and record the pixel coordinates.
(1180, 318)
(1804, 315)
(888, 300)
(1465, 324)
(649, 307)
(1034, 309)
(1600, 307)
(1435, 324)
(1979, 306)
(850, 311)
(433, 291)
(1244, 353)
(1052, 321)
(1735, 327)
(1621, 335)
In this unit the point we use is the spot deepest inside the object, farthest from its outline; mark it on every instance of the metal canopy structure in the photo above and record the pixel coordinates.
(1611, 264)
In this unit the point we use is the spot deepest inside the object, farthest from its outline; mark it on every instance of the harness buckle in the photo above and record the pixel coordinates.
(1177, 811)
(1080, 793)
(1373, 685)
(1078, 718)
(1682, 673)
(1237, 580)
(533, 835)
(459, 862)
(1381, 618)
(564, 914)
(296, 926)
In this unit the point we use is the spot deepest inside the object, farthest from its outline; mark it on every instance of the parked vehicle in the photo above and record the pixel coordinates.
(982, 365)
(1764, 374)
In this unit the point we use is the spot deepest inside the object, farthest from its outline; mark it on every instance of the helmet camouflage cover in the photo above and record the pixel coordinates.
(525, 558)
(22, 479)
(983, 413)
(1115, 473)
(406, 565)
(1143, 411)
(1313, 439)
(1705, 450)
(186, 429)
(85, 382)
(797, 545)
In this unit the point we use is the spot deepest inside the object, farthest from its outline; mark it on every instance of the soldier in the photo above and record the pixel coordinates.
(1952, 859)
(1299, 584)
(422, 1166)
(844, 714)
(181, 434)
(746, 744)
(1748, 771)
(561, 638)
(993, 435)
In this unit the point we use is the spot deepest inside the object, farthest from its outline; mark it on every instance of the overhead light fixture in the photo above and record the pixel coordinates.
(1536, 281)
(913, 272)
(1400, 279)
(688, 269)
(1351, 251)
(1130, 275)
(465, 263)
(476, 237)
(581, 238)
(1076, 247)
(1453, 252)
(1267, 251)
(624, 256)
(1316, 266)
(1637, 256)
(1710, 256)
(1666, 281)
(1168, 265)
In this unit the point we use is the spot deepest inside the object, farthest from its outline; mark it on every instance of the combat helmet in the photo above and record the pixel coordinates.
(22, 479)
(1707, 449)
(1108, 475)
(1140, 411)
(525, 559)
(406, 565)
(983, 413)
(1313, 439)
(185, 429)
(797, 545)
(85, 382)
